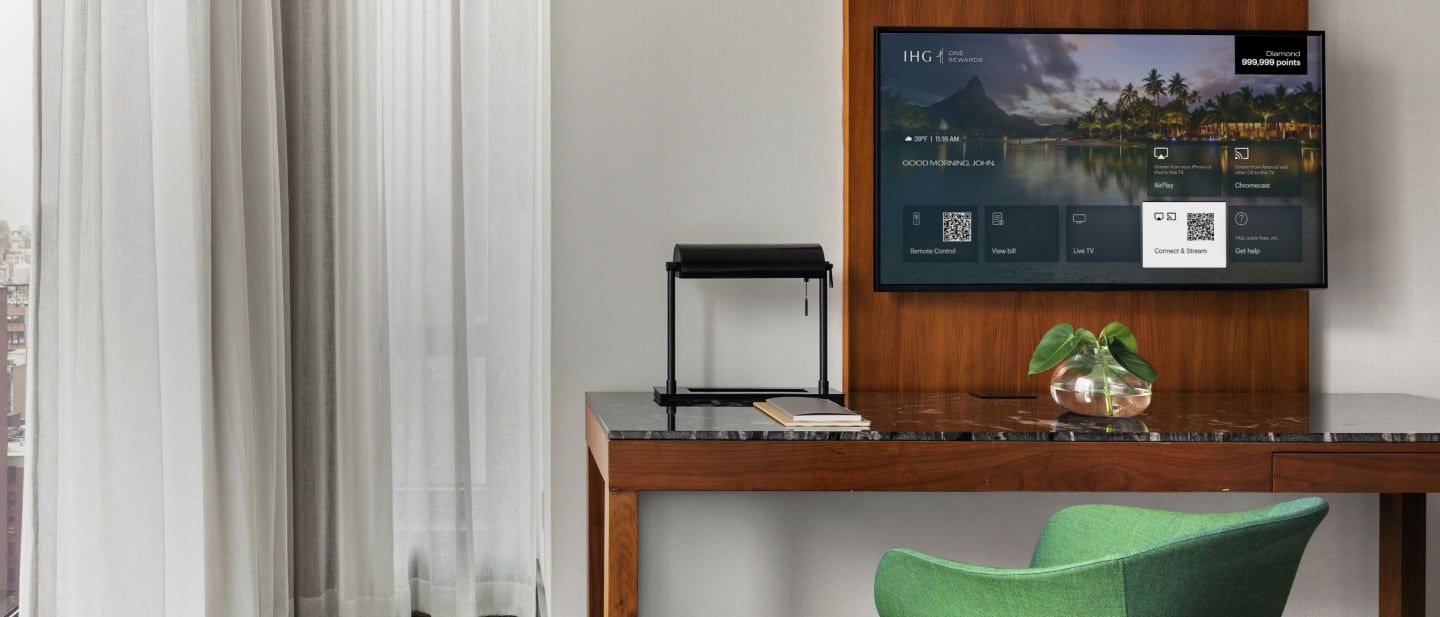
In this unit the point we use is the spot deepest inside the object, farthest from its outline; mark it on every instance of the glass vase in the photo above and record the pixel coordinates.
(1091, 382)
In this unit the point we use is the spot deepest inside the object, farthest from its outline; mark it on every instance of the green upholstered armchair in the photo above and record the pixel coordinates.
(1103, 561)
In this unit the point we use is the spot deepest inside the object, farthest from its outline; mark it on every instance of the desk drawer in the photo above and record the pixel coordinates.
(1357, 472)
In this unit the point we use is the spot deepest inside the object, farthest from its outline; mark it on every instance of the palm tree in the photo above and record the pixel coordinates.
(1247, 95)
(1266, 107)
(1101, 109)
(1128, 96)
(1124, 108)
(1117, 123)
(1143, 113)
(1223, 109)
(1087, 122)
(1247, 101)
(1309, 100)
(1282, 101)
(1154, 84)
(1177, 88)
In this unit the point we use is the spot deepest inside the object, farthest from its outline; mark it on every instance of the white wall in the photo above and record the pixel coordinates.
(685, 121)
(1370, 330)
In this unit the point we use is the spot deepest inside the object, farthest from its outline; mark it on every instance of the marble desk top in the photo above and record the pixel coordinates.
(1354, 418)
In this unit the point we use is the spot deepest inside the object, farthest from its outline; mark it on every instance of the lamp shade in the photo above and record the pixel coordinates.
(750, 261)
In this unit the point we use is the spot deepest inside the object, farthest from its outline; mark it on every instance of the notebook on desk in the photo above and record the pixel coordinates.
(808, 412)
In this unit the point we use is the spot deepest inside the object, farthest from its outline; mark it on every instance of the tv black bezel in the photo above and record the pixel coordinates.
(875, 171)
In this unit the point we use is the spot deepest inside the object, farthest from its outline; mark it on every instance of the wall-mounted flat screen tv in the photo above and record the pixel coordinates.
(1089, 159)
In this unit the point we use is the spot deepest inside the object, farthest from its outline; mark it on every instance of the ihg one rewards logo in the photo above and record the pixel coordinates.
(939, 56)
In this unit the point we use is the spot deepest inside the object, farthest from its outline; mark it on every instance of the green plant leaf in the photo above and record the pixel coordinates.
(1116, 331)
(1057, 344)
(1132, 361)
(1087, 336)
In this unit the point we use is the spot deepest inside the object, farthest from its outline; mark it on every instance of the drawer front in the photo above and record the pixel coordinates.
(1358, 472)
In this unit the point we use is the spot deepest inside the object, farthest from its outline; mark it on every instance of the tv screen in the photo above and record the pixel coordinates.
(1086, 159)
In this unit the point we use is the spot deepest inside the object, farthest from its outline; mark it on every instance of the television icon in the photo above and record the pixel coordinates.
(1242, 153)
(1078, 218)
(1159, 216)
(1161, 152)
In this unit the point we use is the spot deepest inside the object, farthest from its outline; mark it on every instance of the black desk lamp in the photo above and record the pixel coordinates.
(743, 261)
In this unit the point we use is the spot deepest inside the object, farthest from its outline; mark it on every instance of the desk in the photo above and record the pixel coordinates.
(1285, 443)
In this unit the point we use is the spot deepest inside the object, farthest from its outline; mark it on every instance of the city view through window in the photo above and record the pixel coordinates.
(17, 249)
(18, 246)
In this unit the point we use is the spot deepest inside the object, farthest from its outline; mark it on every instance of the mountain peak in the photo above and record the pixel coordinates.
(969, 110)
(974, 87)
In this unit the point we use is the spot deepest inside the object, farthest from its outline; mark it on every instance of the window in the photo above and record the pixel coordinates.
(17, 242)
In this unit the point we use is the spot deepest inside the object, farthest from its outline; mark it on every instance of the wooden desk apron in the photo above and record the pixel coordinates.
(1375, 443)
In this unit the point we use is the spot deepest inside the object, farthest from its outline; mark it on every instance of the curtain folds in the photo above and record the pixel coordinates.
(461, 114)
(289, 309)
(159, 430)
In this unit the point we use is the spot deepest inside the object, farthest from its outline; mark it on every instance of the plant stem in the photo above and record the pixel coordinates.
(1105, 376)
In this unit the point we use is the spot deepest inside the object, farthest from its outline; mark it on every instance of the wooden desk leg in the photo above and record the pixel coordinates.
(622, 554)
(614, 540)
(1402, 555)
(595, 536)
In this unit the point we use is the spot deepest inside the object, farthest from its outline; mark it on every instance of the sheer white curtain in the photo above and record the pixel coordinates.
(290, 309)
(440, 244)
(461, 126)
(159, 425)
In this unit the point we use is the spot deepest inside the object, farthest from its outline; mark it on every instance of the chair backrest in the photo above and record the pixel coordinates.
(1180, 564)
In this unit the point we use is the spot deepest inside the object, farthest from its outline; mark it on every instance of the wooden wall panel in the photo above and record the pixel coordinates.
(1199, 341)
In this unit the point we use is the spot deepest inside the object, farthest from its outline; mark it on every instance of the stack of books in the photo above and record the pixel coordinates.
(807, 413)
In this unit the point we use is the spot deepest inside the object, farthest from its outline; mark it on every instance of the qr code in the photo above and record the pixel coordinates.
(1200, 226)
(955, 227)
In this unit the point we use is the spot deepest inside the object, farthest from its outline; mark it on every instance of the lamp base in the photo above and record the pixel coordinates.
(720, 397)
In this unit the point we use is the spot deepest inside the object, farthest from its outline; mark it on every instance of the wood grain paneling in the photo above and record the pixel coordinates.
(937, 466)
(1210, 341)
(595, 534)
(599, 446)
(1357, 473)
(622, 553)
(892, 465)
(1402, 555)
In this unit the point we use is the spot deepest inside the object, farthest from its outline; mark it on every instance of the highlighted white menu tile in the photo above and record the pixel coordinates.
(1183, 234)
